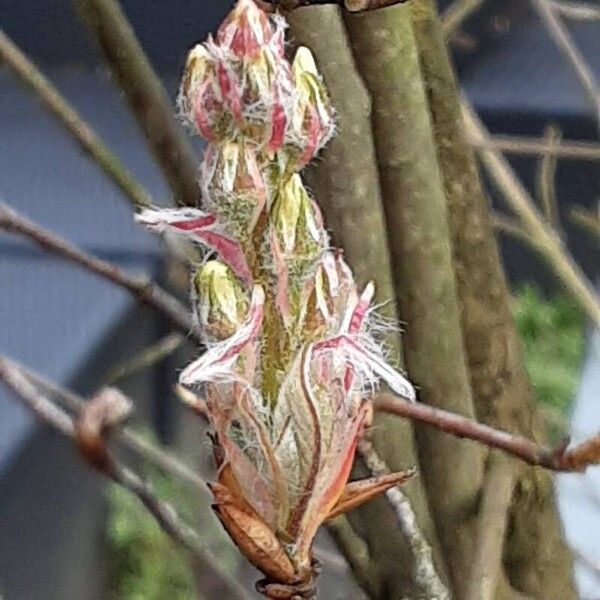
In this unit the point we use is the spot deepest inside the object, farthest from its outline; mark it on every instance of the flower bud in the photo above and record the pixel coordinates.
(298, 222)
(240, 85)
(313, 121)
(246, 30)
(221, 303)
(297, 241)
(233, 185)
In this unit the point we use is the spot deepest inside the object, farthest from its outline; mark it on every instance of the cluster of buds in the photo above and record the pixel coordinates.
(291, 358)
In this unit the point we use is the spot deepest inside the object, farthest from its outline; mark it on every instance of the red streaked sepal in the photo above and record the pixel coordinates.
(216, 363)
(201, 227)
(356, 493)
(364, 360)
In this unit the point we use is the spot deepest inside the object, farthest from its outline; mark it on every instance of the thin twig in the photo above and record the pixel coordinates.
(142, 289)
(543, 238)
(509, 226)
(587, 220)
(145, 94)
(576, 11)
(546, 179)
(563, 39)
(456, 13)
(80, 130)
(160, 458)
(573, 150)
(164, 513)
(148, 357)
(576, 459)
(425, 575)
(493, 519)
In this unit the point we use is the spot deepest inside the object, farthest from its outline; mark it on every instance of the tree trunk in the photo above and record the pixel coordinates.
(537, 560)
(415, 206)
(346, 183)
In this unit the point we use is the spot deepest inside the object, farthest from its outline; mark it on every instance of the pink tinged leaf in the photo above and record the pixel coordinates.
(217, 362)
(229, 90)
(278, 123)
(329, 266)
(362, 357)
(355, 315)
(201, 227)
(353, 320)
(312, 138)
(321, 505)
(308, 398)
(200, 105)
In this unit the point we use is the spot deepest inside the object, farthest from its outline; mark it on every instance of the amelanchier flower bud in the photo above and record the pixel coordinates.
(221, 303)
(297, 240)
(313, 118)
(291, 357)
(234, 185)
(240, 84)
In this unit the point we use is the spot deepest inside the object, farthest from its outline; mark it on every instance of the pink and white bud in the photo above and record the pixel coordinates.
(233, 183)
(313, 117)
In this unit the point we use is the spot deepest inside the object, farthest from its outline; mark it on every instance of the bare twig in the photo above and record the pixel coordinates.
(143, 290)
(577, 11)
(587, 220)
(355, 549)
(493, 518)
(543, 238)
(560, 458)
(163, 512)
(57, 105)
(509, 226)
(546, 179)
(145, 94)
(456, 13)
(158, 457)
(425, 575)
(573, 150)
(563, 39)
(148, 357)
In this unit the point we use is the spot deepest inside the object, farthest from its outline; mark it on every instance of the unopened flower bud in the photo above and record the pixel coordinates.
(246, 30)
(220, 300)
(297, 241)
(240, 85)
(232, 176)
(298, 222)
(313, 120)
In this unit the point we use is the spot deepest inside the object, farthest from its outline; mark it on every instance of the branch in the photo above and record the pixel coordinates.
(493, 519)
(563, 39)
(587, 220)
(577, 11)
(546, 179)
(425, 575)
(560, 458)
(142, 289)
(148, 357)
(543, 238)
(456, 13)
(145, 94)
(574, 150)
(155, 456)
(163, 512)
(57, 105)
